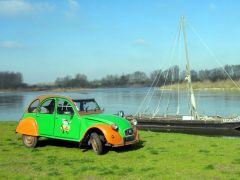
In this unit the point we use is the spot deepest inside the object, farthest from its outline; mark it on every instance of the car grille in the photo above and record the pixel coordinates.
(129, 132)
(129, 138)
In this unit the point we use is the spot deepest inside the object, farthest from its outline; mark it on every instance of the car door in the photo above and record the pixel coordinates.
(46, 117)
(67, 124)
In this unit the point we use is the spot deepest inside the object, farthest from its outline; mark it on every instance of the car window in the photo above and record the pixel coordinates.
(33, 106)
(90, 106)
(87, 105)
(64, 107)
(47, 107)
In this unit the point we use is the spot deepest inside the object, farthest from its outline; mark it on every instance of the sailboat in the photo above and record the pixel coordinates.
(193, 122)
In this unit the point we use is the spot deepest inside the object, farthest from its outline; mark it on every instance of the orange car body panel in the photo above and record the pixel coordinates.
(27, 126)
(113, 137)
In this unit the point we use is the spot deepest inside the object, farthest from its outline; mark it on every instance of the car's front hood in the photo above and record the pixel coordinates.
(110, 119)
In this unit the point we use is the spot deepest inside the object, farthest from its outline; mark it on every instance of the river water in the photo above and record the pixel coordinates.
(12, 104)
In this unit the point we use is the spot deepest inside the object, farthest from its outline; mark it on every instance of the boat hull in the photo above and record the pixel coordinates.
(208, 127)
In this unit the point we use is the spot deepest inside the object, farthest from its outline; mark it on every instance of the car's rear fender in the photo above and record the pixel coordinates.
(27, 126)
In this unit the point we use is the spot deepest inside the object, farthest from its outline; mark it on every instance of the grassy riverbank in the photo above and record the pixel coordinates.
(206, 85)
(158, 156)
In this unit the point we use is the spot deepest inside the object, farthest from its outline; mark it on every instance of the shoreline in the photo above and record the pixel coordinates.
(167, 88)
(202, 89)
(44, 90)
(225, 85)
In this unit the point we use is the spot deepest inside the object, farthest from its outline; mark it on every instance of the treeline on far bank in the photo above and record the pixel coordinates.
(14, 80)
(160, 77)
(11, 80)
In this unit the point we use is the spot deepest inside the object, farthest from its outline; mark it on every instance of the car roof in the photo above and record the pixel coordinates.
(43, 97)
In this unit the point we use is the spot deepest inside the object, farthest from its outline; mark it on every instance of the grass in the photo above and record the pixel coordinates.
(207, 85)
(157, 156)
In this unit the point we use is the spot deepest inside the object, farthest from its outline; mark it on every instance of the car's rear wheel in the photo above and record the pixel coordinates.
(96, 143)
(29, 141)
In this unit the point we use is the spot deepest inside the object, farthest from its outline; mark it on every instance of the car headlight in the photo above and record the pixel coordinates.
(134, 122)
(114, 126)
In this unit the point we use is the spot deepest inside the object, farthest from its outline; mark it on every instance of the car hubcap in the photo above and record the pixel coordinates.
(29, 140)
(94, 145)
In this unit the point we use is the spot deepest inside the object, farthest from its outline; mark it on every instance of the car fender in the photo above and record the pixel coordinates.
(27, 126)
(112, 136)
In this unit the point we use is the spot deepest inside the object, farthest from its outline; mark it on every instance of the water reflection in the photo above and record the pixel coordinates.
(11, 106)
(222, 103)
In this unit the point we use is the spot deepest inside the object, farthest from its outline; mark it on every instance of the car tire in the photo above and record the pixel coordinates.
(96, 143)
(29, 141)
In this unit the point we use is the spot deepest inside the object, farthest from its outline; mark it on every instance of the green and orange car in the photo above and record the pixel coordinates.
(83, 121)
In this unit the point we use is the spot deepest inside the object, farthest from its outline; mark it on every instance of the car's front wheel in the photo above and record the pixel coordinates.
(29, 141)
(96, 143)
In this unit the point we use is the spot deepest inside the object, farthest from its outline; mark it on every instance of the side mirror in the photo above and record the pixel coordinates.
(121, 113)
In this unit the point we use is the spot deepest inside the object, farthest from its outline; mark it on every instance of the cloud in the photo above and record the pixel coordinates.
(72, 8)
(140, 42)
(10, 44)
(22, 7)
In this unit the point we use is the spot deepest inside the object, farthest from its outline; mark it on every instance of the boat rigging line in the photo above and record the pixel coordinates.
(172, 50)
(217, 60)
(153, 88)
(180, 42)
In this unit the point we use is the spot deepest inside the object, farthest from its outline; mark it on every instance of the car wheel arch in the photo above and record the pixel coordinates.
(27, 126)
(91, 130)
(107, 134)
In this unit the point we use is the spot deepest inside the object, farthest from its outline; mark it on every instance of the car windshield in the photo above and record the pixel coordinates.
(86, 105)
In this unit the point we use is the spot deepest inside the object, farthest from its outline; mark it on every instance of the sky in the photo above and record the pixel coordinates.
(46, 39)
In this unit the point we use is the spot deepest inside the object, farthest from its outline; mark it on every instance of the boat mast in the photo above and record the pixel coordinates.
(188, 73)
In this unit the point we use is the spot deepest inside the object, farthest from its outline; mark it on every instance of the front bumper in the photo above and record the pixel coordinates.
(128, 140)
